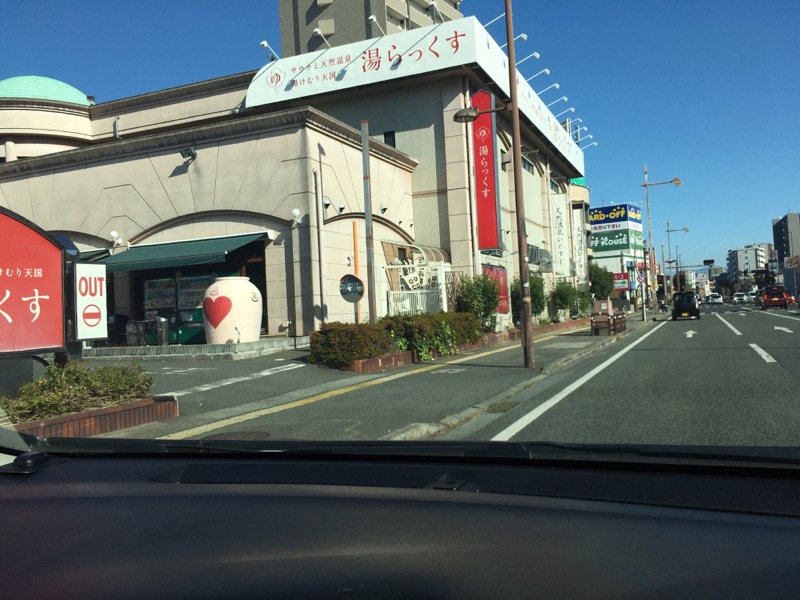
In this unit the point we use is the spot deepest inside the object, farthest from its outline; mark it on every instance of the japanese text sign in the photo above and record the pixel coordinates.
(31, 287)
(483, 151)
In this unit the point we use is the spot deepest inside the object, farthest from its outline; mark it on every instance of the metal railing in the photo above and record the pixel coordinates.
(414, 302)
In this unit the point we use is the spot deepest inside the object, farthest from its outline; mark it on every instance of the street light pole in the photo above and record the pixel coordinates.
(646, 185)
(526, 313)
(467, 115)
(669, 250)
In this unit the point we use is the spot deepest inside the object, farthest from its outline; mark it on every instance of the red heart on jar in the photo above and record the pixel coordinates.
(216, 309)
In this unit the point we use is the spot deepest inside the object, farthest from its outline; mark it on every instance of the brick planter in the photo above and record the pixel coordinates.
(104, 420)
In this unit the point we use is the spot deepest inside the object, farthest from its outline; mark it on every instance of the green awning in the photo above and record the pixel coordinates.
(90, 255)
(178, 254)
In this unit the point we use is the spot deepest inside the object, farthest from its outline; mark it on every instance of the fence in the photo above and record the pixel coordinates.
(414, 302)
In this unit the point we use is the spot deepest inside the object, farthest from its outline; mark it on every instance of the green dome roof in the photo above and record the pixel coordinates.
(41, 88)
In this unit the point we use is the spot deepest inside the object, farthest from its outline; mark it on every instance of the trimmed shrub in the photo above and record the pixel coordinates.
(76, 388)
(538, 300)
(337, 344)
(431, 335)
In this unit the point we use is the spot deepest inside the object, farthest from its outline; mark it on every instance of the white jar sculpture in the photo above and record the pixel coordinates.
(232, 311)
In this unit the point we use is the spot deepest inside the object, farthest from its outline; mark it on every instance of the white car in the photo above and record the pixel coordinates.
(715, 298)
(740, 298)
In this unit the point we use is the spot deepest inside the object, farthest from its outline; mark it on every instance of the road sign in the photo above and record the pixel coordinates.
(640, 278)
(91, 307)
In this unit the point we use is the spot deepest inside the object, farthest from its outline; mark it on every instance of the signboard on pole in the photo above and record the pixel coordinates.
(31, 287)
(483, 148)
(91, 306)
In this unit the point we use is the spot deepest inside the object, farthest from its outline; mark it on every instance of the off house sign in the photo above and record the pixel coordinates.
(31, 287)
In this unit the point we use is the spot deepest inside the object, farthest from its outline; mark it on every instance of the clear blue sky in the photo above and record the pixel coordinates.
(704, 90)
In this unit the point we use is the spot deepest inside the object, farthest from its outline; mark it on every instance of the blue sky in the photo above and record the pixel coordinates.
(703, 90)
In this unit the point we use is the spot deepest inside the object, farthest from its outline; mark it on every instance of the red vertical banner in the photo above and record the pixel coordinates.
(484, 158)
(500, 275)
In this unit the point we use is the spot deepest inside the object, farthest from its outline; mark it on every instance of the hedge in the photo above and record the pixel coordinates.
(337, 345)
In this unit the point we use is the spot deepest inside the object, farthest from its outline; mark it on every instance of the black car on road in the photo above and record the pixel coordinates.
(685, 304)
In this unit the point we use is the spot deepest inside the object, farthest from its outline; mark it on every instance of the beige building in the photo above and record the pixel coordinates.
(262, 173)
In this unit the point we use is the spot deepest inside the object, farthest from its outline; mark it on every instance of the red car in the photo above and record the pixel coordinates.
(774, 295)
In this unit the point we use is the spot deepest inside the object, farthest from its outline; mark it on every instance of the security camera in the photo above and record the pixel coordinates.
(326, 202)
(341, 207)
(384, 208)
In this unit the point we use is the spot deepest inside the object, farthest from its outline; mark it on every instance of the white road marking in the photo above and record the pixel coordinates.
(786, 329)
(537, 412)
(447, 371)
(732, 328)
(690, 334)
(762, 354)
(223, 382)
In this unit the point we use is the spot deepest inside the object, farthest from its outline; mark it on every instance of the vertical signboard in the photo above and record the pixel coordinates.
(31, 287)
(483, 148)
(560, 222)
(91, 312)
(500, 275)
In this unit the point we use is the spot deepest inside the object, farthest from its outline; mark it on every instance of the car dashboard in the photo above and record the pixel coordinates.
(389, 526)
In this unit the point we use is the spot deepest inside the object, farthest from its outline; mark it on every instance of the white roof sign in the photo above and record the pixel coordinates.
(424, 50)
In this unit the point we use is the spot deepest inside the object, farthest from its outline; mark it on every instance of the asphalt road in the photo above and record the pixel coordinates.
(726, 379)
(730, 378)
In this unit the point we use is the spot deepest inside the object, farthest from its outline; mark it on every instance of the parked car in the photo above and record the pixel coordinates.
(774, 295)
(685, 304)
(740, 298)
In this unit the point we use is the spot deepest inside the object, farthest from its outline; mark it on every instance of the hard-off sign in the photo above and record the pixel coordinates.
(31, 287)
(91, 320)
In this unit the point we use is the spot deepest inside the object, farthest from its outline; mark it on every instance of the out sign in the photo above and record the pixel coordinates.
(91, 318)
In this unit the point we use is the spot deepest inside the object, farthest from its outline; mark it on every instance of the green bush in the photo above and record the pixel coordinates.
(337, 344)
(431, 335)
(480, 296)
(76, 388)
(538, 300)
(563, 295)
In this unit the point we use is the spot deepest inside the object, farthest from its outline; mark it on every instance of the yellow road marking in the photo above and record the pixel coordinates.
(203, 429)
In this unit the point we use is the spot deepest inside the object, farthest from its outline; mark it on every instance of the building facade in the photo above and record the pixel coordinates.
(262, 174)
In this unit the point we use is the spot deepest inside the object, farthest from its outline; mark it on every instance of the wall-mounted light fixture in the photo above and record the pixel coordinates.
(116, 241)
(272, 54)
(532, 55)
(374, 19)
(564, 98)
(554, 85)
(543, 71)
(384, 208)
(523, 36)
(569, 110)
(189, 153)
(326, 202)
(318, 31)
(297, 220)
(341, 207)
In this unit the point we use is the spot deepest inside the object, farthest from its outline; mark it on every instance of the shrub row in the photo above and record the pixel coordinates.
(337, 345)
(76, 388)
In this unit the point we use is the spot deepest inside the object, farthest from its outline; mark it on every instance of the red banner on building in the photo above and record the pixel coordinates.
(500, 275)
(484, 157)
(31, 287)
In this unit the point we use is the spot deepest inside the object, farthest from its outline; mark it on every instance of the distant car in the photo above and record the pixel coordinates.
(685, 304)
(751, 296)
(740, 298)
(774, 295)
(715, 298)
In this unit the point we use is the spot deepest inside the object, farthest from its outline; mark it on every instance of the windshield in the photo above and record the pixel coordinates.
(296, 222)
